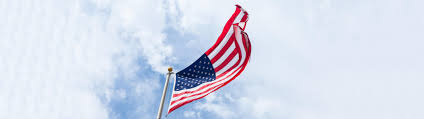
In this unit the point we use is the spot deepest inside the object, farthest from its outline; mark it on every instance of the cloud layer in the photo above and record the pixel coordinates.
(310, 59)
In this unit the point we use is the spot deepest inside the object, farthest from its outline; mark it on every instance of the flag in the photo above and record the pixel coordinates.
(218, 66)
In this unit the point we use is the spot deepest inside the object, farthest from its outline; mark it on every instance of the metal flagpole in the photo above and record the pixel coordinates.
(164, 92)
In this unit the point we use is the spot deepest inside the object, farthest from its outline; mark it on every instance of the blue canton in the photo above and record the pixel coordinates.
(201, 71)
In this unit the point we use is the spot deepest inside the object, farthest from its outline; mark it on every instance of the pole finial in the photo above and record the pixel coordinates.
(169, 69)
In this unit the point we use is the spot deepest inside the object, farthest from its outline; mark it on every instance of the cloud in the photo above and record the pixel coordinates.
(144, 22)
(65, 59)
(192, 114)
(55, 61)
(217, 105)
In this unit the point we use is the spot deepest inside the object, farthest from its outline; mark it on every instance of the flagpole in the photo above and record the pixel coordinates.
(164, 92)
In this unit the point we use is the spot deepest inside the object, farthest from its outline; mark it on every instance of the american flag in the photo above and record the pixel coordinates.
(218, 66)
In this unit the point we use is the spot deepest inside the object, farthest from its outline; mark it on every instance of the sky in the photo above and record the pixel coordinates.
(311, 59)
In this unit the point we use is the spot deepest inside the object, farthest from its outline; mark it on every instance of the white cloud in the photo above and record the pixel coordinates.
(60, 59)
(155, 50)
(52, 67)
(192, 114)
(217, 105)
(144, 21)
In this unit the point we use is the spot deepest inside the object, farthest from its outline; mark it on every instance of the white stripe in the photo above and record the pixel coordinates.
(227, 36)
(221, 45)
(229, 65)
(195, 88)
(225, 55)
(203, 93)
(219, 80)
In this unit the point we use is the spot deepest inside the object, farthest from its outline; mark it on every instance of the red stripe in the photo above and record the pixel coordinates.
(236, 64)
(244, 19)
(223, 50)
(244, 42)
(247, 45)
(188, 101)
(250, 46)
(225, 30)
(193, 95)
(229, 58)
(187, 92)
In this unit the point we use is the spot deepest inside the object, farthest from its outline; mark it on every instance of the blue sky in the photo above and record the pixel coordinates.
(311, 59)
